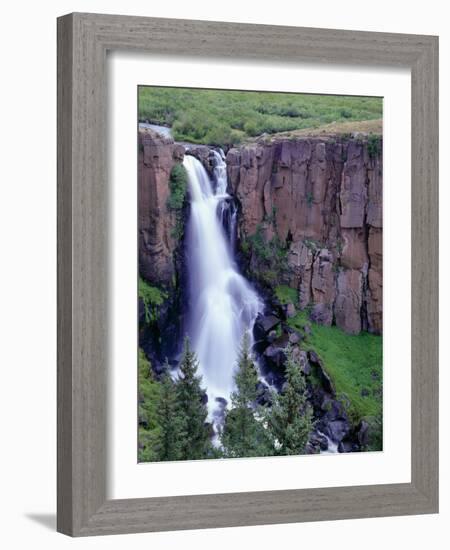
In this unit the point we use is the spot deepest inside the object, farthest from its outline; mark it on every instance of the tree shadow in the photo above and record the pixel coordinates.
(46, 520)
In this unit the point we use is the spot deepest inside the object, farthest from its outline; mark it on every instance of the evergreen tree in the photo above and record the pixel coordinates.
(243, 434)
(149, 395)
(290, 418)
(169, 442)
(195, 442)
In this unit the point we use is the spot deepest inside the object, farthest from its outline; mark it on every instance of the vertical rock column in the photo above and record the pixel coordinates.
(157, 156)
(323, 198)
(354, 258)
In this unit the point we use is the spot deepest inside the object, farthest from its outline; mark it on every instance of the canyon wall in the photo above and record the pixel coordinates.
(322, 199)
(157, 157)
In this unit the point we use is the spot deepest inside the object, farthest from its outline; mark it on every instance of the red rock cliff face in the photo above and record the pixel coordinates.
(324, 197)
(157, 156)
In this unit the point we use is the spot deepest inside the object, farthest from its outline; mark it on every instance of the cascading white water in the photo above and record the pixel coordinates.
(223, 305)
(332, 445)
(220, 172)
(227, 209)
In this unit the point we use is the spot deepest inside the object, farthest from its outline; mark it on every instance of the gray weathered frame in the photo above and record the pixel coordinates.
(83, 40)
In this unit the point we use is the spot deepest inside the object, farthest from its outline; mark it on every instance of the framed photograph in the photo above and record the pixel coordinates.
(247, 274)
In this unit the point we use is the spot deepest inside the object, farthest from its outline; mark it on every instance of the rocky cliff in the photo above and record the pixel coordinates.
(157, 242)
(317, 200)
(321, 199)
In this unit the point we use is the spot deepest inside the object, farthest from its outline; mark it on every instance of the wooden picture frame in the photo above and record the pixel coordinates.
(83, 41)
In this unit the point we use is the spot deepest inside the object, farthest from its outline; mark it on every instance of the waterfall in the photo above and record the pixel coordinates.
(222, 304)
(332, 445)
(227, 207)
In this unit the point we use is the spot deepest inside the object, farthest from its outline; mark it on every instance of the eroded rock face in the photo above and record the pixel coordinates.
(374, 293)
(157, 156)
(249, 169)
(300, 263)
(323, 288)
(322, 197)
(349, 300)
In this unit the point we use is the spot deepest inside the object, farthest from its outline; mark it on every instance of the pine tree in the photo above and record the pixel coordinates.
(246, 377)
(169, 442)
(243, 434)
(195, 442)
(149, 395)
(290, 418)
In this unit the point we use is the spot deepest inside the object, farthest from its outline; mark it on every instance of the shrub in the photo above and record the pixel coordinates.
(286, 294)
(345, 113)
(178, 186)
(374, 145)
(152, 298)
(270, 257)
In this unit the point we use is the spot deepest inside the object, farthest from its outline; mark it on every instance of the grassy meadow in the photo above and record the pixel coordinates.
(224, 117)
(354, 363)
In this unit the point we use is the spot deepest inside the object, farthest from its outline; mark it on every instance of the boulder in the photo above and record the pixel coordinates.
(325, 379)
(363, 433)
(294, 337)
(290, 311)
(333, 409)
(347, 447)
(305, 367)
(318, 440)
(275, 356)
(283, 340)
(264, 324)
(337, 430)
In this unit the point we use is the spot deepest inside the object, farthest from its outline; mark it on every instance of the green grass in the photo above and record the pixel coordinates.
(224, 117)
(286, 294)
(353, 362)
